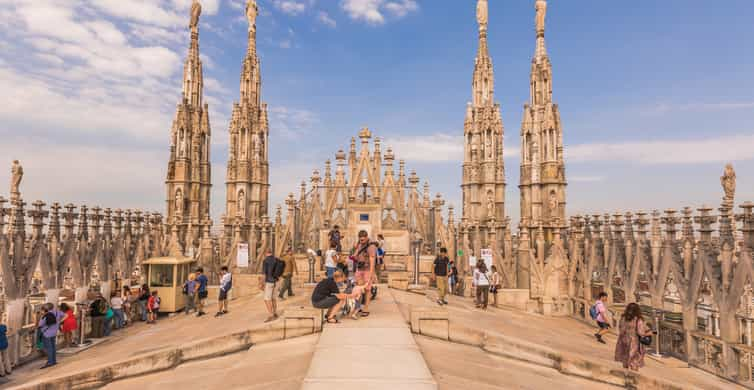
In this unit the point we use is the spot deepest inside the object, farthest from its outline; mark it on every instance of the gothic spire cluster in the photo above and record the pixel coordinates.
(189, 178)
(543, 181)
(483, 168)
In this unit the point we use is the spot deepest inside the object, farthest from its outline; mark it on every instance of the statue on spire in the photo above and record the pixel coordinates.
(251, 14)
(481, 14)
(541, 7)
(196, 11)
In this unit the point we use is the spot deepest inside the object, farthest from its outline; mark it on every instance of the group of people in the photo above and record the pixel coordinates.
(445, 274)
(348, 288)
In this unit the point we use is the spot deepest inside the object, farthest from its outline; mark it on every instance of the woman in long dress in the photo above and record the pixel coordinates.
(628, 349)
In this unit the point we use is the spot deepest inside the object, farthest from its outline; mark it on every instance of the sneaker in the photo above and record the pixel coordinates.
(601, 340)
(440, 302)
(201, 313)
(444, 302)
(225, 312)
(218, 314)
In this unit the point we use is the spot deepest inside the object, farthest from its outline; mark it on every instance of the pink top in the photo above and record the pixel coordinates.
(601, 310)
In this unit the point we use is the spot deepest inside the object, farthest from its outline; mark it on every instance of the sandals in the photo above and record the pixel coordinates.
(333, 320)
(364, 314)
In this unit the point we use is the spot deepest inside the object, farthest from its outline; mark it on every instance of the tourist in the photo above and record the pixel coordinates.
(142, 301)
(190, 288)
(290, 268)
(481, 281)
(226, 283)
(97, 312)
(153, 307)
(109, 315)
(440, 275)
(630, 349)
(452, 275)
(334, 238)
(365, 255)
(327, 296)
(273, 268)
(116, 304)
(5, 365)
(128, 306)
(599, 313)
(48, 325)
(496, 284)
(380, 254)
(201, 291)
(354, 300)
(68, 324)
(331, 260)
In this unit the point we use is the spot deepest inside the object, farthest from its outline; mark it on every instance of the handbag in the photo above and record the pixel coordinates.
(644, 340)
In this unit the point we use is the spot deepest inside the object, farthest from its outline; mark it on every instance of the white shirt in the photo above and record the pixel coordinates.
(481, 279)
(225, 280)
(116, 302)
(329, 258)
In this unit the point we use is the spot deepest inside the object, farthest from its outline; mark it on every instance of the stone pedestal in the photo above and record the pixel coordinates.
(398, 280)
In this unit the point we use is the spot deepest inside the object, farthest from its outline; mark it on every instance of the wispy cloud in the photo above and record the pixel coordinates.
(290, 7)
(324, 18)
(682, 151)
(291, 123)
(372, 11)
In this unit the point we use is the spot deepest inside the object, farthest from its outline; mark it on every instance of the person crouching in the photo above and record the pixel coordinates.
(327, 295)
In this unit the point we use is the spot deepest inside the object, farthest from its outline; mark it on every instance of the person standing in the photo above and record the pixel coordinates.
(97, 312)
(496, 284)
(5, 366)
(482, 282)
(68, 324)
(190, 287)
(365, 255)
(440, 275)
(226, 283)
(127, 304)
(142, 301)
(273, 268)
(599, 313)
(290, 268)
(116, 304)
(331, 260)
(201, 291)
(629, 349)
(453, 277)
(334, 237)
(153, 305)
(48, 325)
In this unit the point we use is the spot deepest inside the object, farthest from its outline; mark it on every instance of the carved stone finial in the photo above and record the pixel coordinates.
(728, 181)
(482, 14)
(17, 174)
(541, 7)
(251, 14)
(196, 11)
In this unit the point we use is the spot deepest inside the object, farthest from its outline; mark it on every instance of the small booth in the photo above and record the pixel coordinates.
(166, 275)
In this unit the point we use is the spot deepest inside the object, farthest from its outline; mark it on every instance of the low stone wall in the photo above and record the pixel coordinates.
(296, 323)
(434, 322)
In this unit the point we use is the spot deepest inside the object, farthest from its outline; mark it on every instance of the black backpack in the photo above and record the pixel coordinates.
(277, 272)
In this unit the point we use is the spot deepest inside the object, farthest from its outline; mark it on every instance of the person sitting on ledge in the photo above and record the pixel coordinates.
(326, 295)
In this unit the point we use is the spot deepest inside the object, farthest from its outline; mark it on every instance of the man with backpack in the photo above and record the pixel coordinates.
(440, 275)
(273, 269)
(598, 312)
(365, 256)
(201, 280)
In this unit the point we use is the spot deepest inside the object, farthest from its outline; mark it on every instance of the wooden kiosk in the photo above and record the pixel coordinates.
(166, 275)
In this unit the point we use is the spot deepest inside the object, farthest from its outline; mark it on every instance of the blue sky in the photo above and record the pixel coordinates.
(655, 96)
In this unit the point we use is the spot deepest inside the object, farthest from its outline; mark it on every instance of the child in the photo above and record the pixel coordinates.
(69, 324)
(153, 307)
(355, 296)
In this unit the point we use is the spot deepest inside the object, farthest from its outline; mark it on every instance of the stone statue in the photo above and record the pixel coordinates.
(196, 11)
(728, 181)
(241, 203)
(251, 14)
(178, 202)
(481, 14)
(552, 204)
(489, 148)
(17, 174)
(541, 7)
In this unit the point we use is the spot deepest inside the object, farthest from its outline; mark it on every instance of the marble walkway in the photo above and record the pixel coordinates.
(374, 353)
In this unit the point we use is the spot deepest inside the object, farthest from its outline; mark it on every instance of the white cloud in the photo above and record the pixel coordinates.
(401, 8)
(372, 11)
(720, 149)
(324, 18)
(291, 123)
(290, 7)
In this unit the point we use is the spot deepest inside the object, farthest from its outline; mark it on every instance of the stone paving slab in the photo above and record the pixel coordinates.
(373, 353)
